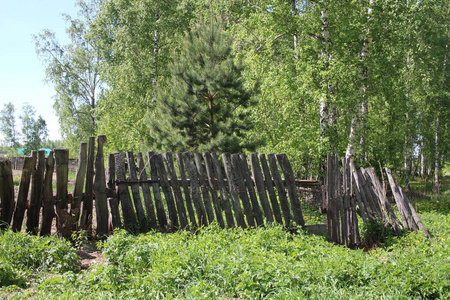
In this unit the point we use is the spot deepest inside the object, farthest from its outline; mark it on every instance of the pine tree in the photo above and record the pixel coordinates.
(205, 105)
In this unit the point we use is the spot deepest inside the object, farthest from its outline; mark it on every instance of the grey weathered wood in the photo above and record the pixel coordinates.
(346, 225)
(168, 196)
(48, 210)
(195, 189)
(168, 157)
(160, 211)
(99, 189)
(356, 190)
(224, 194)
(148, 202)
(88, 198)
(281, 191)
(260, 187)
(233, 189)
(289, 178)
(63, 217)
(270, 189)
(372, 197)
(242, 190)
(28, 164)
(78, 186)
(112, 199)
(383, 200)
(140, 214)
(213, 188)
(187, 193)
(6, 194)
(332, 194)
(403, 202)
(203, 187)
(251, 190)
(37, 180)
(129, 216)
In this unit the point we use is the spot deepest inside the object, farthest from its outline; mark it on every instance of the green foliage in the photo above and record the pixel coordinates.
(34, 130)
(8, 125)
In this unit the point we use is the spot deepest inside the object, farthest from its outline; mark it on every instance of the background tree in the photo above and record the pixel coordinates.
(8, 125)
(34, 130)
(205, 107)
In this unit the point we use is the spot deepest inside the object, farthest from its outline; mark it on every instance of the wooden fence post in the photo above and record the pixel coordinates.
(99, 189)
(48, 210)
(6, 194)
(37, 180)
(63, 219)
(112, 195)
(86, 216)
(78, 186)
(24, 187)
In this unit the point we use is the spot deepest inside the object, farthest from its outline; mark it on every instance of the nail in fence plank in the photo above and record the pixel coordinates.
(37, 180)
(63, 219)
(289, 178)
(242, 190)
(86, 216)
(6, 194)
(78, 186)
(129, 216)
(195, 188)
(233, 189)
(187, 193)
(25, 179)
(260, 187)
(48, 211)
(203, 187)
(251, 190)
(270, 189)
(225, 199)
(148, 202)
(168, 157)
(160, 211)
(112, 197)
(213, 188)
(142, 220)
(168, 196)
(99, 188)
(281, 191)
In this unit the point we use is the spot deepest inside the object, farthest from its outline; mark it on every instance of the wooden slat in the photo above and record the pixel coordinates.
(289, 178)
(187, 194)
(99, 189)
(148, 202)
(233, 189)
(129, 216)
(112, 199)
(86, 216)
(203, 187)
(168, 157)
(270, 189)
(168, 196)
(6, 194)
(195, 189)
(242, 189)
(37, 180)
(160, 211)
(251, 190)
(25, 179)
(140, 214)
(78, 186)
(224, 194)
(260, 187)
(281, 191)
(63, 218)
(213, 188)
(48, 210)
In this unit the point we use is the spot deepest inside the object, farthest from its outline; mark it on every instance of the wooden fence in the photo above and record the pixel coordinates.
(141, 192)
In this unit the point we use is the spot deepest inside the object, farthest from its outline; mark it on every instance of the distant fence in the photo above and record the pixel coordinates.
(166, 192)
(17, 163)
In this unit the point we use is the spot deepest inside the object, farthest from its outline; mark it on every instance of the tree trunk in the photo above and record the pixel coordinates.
(437, 158)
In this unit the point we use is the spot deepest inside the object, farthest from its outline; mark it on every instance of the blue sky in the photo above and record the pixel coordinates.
(21, 72)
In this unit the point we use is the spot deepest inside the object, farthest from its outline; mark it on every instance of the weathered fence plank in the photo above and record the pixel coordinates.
(168, 196)
(160, 212)
(24, 187)
(213, 188)
(141, 219)
(6, 194)
(185, 185)
(224, 194)
(129, 216)
(242, 190)
(281, 191)
(148, 202)
(63, 217)
(112, 195)
(195, 189)
(48, 210)
(203, 187)
(176, 190)
(260, 187)
(99, 189)
(86, 216)
(233, 189)
(37, 179)
(251, 190)
(78, 186)
(270, 189)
